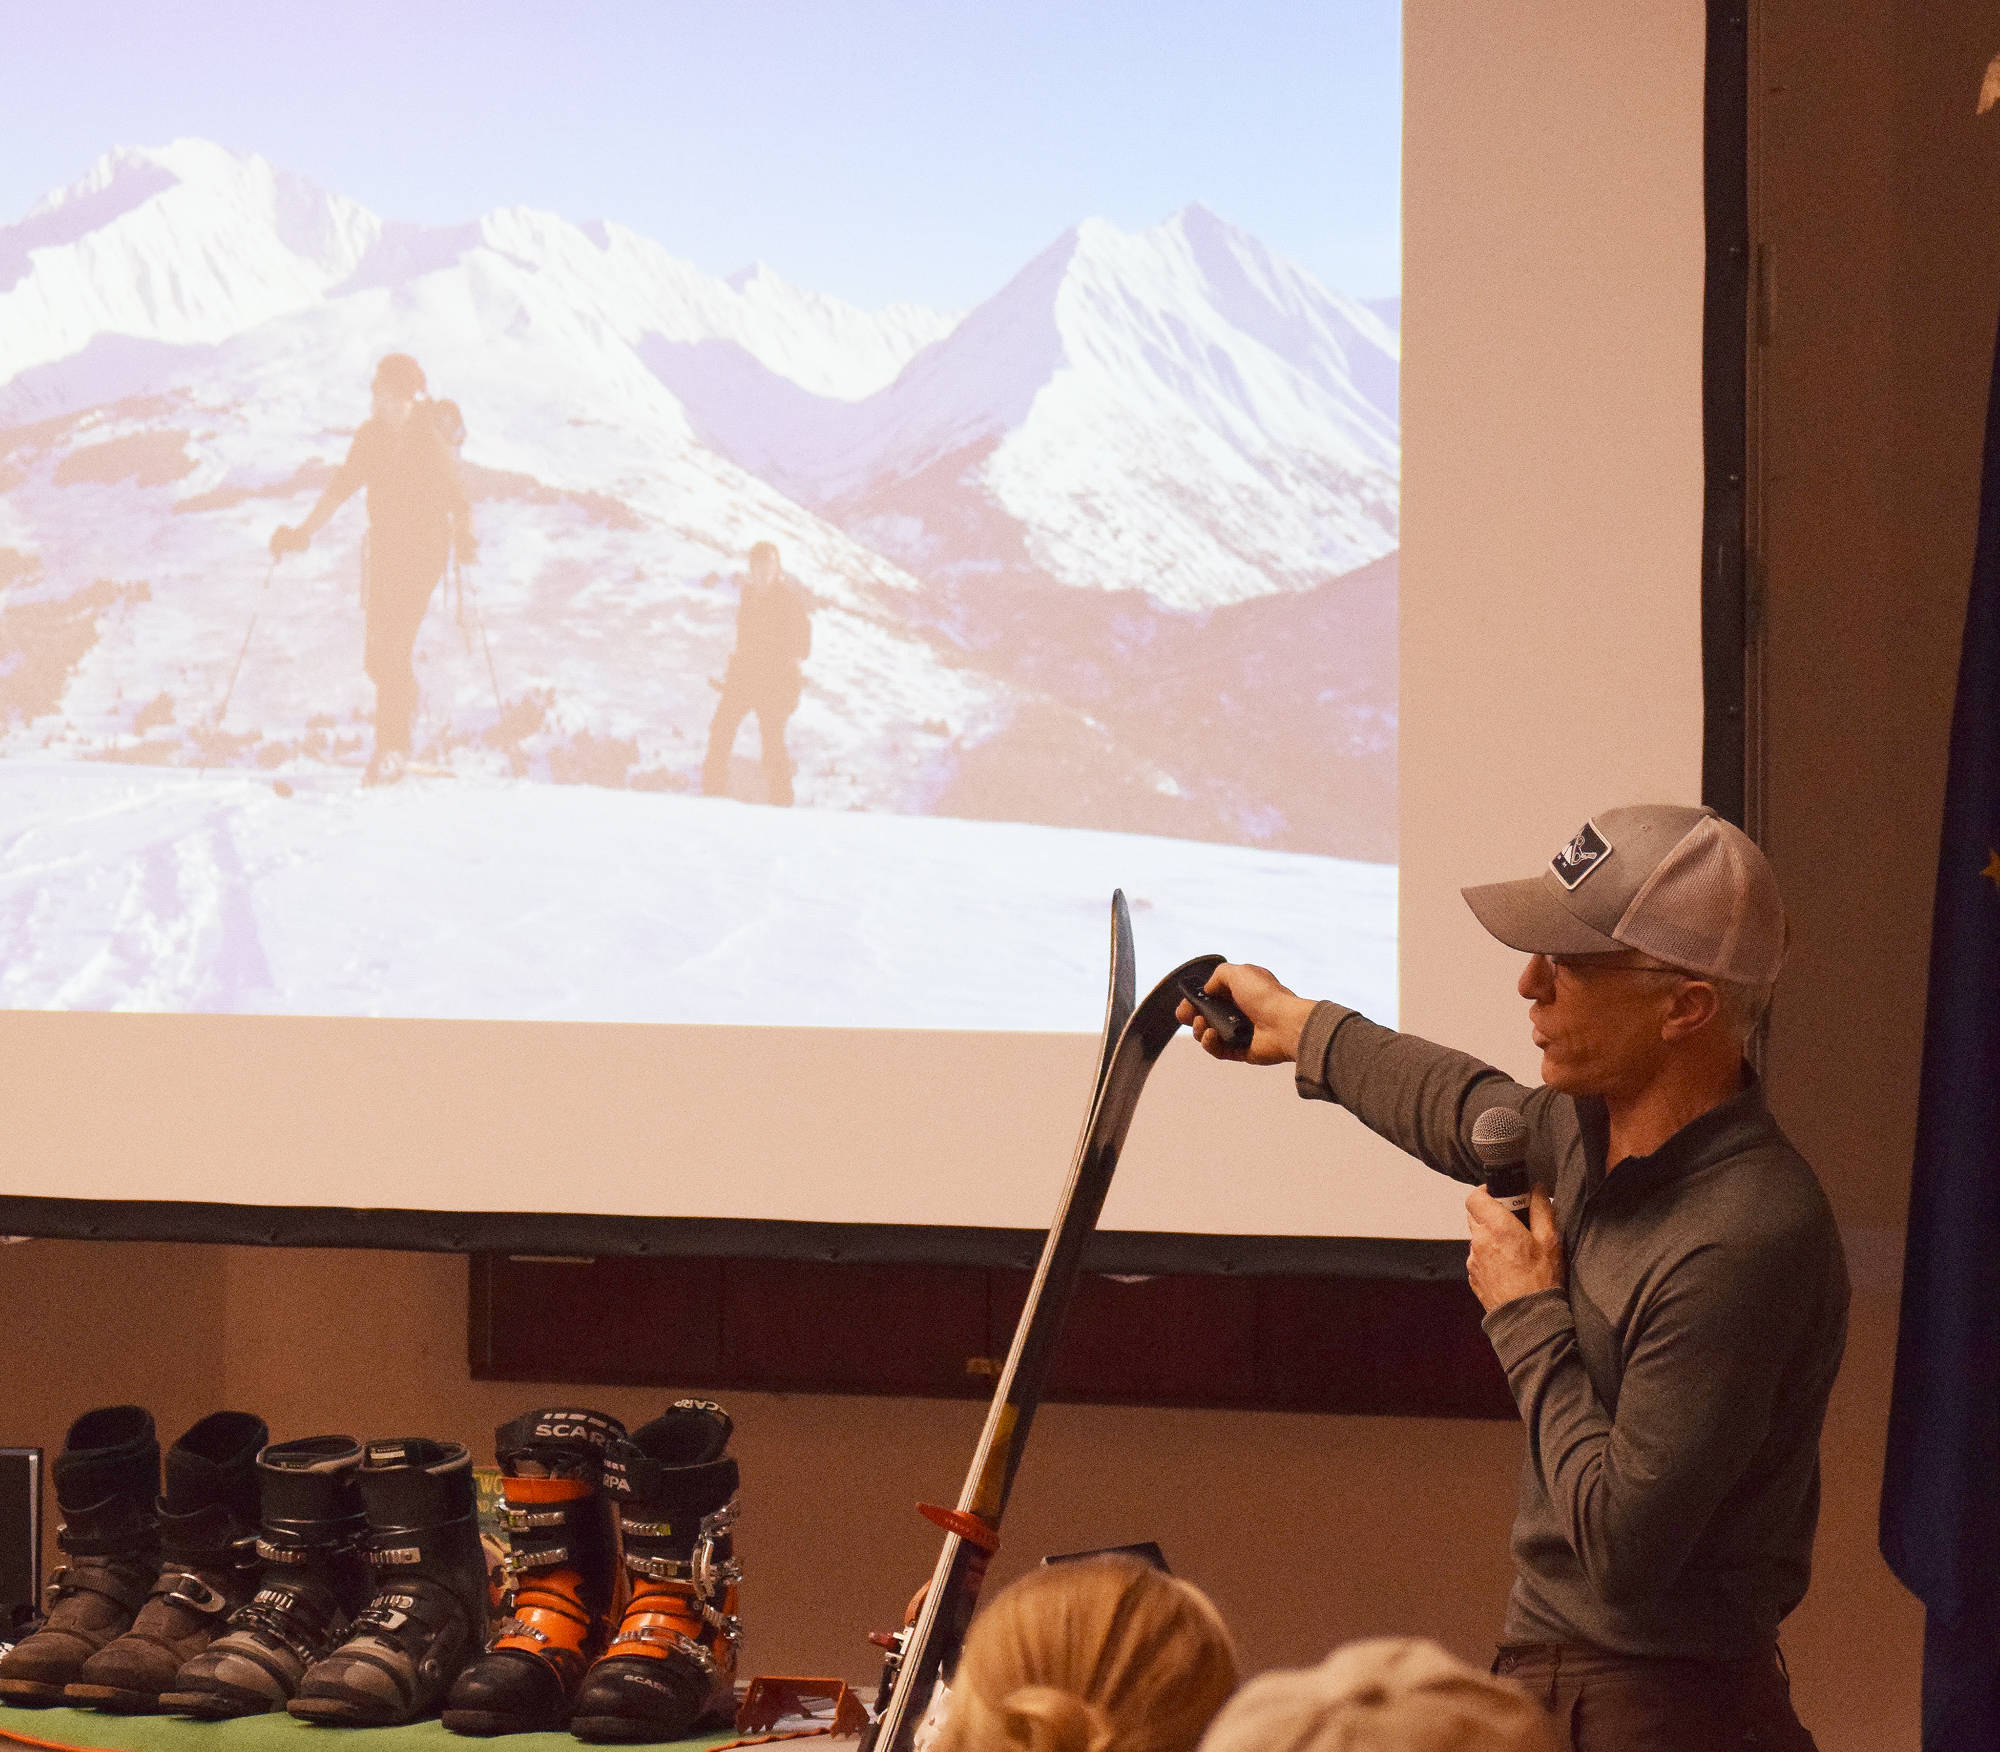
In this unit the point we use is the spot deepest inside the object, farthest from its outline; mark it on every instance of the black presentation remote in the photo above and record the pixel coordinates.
(1219, 1011)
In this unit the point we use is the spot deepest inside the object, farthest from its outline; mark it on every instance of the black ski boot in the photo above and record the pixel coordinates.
(672, 1662)
(108, 1487)
(562, 1560)
(312, 1582)
(428, 1614)
(208, 1565)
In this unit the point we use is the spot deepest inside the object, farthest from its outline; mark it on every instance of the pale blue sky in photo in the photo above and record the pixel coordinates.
(876, 149)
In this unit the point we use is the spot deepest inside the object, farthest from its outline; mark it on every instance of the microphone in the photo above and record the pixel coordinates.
(1500, 1141)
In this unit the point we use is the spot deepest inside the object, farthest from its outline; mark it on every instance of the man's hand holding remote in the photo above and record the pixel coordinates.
(1278, 1013)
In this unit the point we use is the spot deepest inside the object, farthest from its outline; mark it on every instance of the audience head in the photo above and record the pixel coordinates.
(1104, 1655)
(1389, 1694)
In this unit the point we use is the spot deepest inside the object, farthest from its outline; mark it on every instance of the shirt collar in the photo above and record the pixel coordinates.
(1708, 1137)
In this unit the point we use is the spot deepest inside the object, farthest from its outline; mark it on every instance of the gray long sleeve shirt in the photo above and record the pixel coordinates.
(1673, 1393)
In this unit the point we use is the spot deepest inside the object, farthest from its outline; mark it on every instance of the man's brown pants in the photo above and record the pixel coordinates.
(1628, 1703)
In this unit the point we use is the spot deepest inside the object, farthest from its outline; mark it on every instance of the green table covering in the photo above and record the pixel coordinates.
(86, 1730)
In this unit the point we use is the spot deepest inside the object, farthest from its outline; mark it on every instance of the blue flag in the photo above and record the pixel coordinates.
(1941, 1489)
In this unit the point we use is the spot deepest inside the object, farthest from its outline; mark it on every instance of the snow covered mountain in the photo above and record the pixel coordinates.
(190, 244)
(1179, 411)
(1148, 486)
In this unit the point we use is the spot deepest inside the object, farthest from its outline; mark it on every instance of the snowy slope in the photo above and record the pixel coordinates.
(465, 898)
(1177, 419)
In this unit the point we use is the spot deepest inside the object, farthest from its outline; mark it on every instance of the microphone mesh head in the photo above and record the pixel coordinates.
(1499, 1137)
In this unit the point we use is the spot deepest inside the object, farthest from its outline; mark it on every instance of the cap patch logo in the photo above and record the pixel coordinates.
(1581, 856)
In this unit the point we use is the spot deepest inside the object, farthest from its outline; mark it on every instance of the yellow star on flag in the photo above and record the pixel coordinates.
(1992, 870)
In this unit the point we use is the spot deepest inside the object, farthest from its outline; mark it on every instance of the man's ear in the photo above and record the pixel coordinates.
(1695, 1004)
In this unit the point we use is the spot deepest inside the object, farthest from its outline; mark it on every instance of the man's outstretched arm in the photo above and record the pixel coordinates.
(1420, 1096)
(344, 485)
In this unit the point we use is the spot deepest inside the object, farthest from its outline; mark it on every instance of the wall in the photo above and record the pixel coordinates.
(1875, 201)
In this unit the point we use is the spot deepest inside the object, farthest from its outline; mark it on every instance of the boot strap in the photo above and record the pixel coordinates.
(701, 1566)
(395, 1610)
(518, 1562)
(673, 1641)
(515, 1520)
(188, 1589)
(123, 1587)
(308, 1626)
(112, 1530)
(281, 1543)
(709, 1613)
(237, 1554)
(702, 1571)
(202, 1534)
(409, 1547)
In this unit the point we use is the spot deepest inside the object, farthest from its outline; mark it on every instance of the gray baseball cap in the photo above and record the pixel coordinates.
(1670, 880)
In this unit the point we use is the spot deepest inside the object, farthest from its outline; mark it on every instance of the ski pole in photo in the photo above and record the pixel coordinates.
(515, 760)
(243, 651)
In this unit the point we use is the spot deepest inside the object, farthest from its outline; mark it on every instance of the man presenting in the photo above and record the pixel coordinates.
(1672, 1317)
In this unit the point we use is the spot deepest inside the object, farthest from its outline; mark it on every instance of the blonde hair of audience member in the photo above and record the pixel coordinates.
(1387, 1694)
(1103, 1655)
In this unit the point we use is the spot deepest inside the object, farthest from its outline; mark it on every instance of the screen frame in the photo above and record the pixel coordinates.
(1727, 631)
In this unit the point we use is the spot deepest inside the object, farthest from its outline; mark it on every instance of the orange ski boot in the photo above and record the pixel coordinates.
(562, 1559)
(672, 1663)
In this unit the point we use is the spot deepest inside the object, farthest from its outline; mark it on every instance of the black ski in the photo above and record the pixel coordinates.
(1121, 990)
(929, 1648)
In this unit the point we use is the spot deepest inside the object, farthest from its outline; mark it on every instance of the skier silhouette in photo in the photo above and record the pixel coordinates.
(773, 638)
(406, 456)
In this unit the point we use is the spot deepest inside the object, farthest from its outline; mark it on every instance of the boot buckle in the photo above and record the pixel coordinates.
(672, 1639)
(527, 1520)
(703, 1570)
(190, 1590)
(516, 1562)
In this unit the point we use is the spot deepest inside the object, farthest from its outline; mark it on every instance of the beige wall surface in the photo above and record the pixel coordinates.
(1552, 484)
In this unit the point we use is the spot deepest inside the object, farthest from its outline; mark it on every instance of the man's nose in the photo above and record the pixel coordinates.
(1537, 978)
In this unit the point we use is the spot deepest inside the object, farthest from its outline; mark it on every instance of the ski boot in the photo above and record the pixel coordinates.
(107, 1486)
(672, 1661)
(313, 1582)
(561, 1561)
(208, 1552)
(428, 1614)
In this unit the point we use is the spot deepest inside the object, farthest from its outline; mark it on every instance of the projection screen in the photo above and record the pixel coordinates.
(881, 477)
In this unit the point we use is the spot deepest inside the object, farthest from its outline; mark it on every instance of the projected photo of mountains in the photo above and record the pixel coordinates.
(1113, 550)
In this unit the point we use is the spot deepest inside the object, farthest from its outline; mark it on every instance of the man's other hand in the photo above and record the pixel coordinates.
(1278, 1013)
(1507, 1261)
(287, 540)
